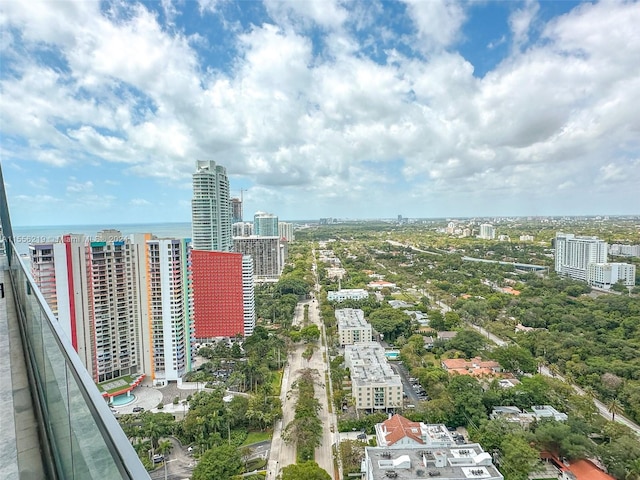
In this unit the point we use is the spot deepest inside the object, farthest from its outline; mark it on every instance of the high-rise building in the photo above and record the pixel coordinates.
(169, 309)
(236, 210)
(124, 302)
(265, 224)
(222, 281)
(242, 229)
(224, 303)
(285, 231)
(89, 286)
(574, 254)
(267, 253)
(487, 231)
(211, 208)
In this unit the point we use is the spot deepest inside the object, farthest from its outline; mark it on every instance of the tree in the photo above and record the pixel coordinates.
(310, 333)
(614, 407)
(351, 452)
(304, 471)
(436, 320)
(518, 459)
(633, 470)
(469, 342)
(221, 463)
(466, 395)
(164, 447)
(515, 359)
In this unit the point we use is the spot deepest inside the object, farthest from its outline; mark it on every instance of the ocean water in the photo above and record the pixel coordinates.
(24, 236)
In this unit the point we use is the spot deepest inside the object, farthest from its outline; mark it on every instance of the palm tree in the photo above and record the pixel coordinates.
(164, 447)
(614, 407)
(633, 472)
(153, 432)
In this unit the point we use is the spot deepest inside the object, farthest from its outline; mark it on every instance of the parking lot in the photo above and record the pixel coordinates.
(413, 391)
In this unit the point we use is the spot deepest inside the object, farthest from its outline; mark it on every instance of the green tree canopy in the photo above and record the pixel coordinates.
(515, 359)
(304, 471)
(518, 459)
(219, 463)
(468, 342)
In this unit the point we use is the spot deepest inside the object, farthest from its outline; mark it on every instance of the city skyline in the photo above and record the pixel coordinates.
(352, 110)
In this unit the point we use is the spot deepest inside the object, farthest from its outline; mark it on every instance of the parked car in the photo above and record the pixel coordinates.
(157, 458)
(362, 436)
(138, 409)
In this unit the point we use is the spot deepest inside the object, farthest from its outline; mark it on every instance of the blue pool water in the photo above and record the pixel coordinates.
(121, 400)
(392, 355)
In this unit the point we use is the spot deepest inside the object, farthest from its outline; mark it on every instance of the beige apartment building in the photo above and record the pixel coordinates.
(374, 385)
(352, 327)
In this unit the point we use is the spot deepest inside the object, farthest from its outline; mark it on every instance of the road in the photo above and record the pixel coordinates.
(324, 453)
(282, 454)
(178, 464)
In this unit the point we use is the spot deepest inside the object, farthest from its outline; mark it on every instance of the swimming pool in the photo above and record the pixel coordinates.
(121, 400)
(392, 355)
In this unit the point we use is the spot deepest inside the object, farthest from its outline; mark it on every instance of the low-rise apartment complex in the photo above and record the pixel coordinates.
(352, 327)
(347, 294)
(374, 385)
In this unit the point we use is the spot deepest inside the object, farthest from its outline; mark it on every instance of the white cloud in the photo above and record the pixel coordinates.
(74, 186)
(209, 6)
(520, 22)
(438, 22)
(294, 121)
(139, 202)
(329, 14)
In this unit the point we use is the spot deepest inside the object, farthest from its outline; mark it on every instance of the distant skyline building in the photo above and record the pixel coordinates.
(236, 210)
(211, 208)
(624, 250)
(242, 229)
(574, 254)
(487, 231)
(285, 231)
(265, 224)
(224, 304)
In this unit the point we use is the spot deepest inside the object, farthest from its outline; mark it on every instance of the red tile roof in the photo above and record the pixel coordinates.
(476, 366)
(399, 427)
(585, 470)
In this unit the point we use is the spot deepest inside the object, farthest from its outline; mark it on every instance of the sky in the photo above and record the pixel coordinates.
(343, 109)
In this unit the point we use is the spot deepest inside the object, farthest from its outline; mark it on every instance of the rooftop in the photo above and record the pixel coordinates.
(350, 318)
(397, 428)
(446, 463)
(369, 365)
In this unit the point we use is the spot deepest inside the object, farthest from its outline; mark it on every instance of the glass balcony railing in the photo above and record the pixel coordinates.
(81, 438)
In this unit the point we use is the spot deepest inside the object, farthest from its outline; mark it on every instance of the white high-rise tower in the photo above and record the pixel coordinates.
(211, 208)
(574, 254)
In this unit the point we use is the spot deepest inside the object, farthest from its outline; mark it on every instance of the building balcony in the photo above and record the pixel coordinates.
(55, 424)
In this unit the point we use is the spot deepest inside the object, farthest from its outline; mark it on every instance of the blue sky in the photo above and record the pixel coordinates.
(320, 108)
